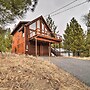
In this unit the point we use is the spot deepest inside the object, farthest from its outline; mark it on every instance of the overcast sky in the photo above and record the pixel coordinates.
(44, 7)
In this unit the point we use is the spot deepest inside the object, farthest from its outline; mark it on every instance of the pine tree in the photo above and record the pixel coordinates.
(67, 39)
(53, 28)
(88, 43)
(2, 40)
(87, 22)
(10, 9)
(74, 38)
(5, 40)
(51, 24)
(87, 19)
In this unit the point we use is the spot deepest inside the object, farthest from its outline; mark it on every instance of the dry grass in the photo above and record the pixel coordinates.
(20, 72)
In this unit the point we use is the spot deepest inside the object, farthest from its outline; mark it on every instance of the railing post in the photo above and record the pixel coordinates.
(59, 50)
(36, 46)
(29, 33)
(36, 31)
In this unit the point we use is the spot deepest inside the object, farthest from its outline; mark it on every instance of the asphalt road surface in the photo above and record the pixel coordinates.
(78, 68)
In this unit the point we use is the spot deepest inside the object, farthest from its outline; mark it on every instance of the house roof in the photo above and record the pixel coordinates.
(41, 17)
(26, 23)
(18, 26)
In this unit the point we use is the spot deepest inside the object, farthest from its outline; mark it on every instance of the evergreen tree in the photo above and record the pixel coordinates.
(87, 22)
(5, 40)
(74, 38)
(10, 9)
(53, 28)
(67, 39)
(51, 24)
(8, 40)
(88, 43)
(87, 19)
(2, 40)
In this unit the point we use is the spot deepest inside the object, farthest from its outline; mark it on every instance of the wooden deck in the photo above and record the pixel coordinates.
(43, 36)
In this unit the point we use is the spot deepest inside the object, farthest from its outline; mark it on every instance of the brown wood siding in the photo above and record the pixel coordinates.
(42, 48)
(46, 49)
(31, 50)
(26, 39)
(18, 43)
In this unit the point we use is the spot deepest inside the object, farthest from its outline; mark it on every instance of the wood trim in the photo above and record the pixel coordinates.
(36, 46)
(40, 26)
(45, 40)
(50, 38)
(49, 49)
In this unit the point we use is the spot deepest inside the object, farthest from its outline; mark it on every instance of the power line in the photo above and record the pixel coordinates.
(62, 7)
(70, 8)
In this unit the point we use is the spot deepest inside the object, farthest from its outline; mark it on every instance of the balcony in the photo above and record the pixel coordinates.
(39, 29)
(42, 34)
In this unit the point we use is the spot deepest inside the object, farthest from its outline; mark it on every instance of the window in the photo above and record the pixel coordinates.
(42, 27)
(23, 34)
(38, 24)
(33, 26)
(27, 47)
(45, 30)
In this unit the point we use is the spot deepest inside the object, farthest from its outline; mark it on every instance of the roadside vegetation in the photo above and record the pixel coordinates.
(5, 40)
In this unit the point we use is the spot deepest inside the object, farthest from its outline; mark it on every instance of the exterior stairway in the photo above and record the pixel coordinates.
(55, 52)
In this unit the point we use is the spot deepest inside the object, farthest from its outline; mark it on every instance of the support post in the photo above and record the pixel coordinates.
(59, 50)
(49, 50)
(55, 49)
(36, 46)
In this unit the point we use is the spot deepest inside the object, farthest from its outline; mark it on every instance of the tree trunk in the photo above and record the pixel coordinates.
(74, 53)
(78, 53)
(2, 55)
(89, 52)
(68, 53)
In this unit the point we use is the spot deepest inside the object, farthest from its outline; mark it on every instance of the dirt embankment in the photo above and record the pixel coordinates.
(19, 72)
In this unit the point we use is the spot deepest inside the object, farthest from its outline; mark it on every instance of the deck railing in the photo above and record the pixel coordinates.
(38, 31)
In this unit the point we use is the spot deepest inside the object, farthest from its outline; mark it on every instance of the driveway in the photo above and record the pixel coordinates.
(78, 68)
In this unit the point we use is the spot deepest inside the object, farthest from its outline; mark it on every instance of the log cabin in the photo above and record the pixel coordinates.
(33, 38)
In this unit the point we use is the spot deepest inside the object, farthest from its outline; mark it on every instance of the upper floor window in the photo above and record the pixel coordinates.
(33, 26)
(23, 34)
(38, 24)
(45, 30)
(27, 47)
(42, 27)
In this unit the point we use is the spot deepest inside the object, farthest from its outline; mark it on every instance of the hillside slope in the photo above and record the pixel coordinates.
(19, 72)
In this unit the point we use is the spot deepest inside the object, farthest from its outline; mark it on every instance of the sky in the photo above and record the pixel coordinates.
(45, 7)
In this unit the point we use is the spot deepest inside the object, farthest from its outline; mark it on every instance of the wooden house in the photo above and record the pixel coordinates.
(33, 38)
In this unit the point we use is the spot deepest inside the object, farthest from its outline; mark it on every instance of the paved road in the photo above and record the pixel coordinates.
(78, 68)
